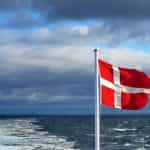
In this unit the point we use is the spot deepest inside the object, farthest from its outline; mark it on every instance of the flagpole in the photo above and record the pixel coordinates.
(97, 103)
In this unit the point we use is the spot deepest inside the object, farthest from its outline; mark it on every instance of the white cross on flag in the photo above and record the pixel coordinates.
(123, 88)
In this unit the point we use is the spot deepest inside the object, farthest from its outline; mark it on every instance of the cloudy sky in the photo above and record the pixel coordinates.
(46, 51)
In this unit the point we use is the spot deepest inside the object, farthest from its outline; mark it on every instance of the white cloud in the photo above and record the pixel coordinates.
(68, 48)
(83, 30)
(130, 58)
(68, 58)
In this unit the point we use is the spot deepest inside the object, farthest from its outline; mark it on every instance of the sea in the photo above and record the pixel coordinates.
(74, 133)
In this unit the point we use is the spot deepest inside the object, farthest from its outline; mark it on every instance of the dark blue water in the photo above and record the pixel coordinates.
(125, 133)
(74, 133)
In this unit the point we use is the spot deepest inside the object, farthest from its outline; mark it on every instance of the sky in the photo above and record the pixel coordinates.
(46, 51)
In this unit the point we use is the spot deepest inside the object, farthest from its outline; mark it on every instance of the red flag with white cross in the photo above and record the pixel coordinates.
(123, 88)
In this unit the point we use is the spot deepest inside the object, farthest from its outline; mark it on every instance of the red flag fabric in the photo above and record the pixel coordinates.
(123, 88)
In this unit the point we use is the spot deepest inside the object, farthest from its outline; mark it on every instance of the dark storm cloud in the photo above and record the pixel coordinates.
(81, 8)
(38, 84)
(15, 5)
(29, 13)
(87, 9)
(123, 19)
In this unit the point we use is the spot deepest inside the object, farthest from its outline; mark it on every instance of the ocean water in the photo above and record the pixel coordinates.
(74, 133)
(125, 133)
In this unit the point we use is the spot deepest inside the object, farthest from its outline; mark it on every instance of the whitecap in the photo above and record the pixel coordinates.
(141, 148)
(22, 134)
(128, 144)
(147, 145)
(124, 129)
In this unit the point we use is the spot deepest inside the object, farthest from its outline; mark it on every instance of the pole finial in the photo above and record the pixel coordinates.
(95, 50)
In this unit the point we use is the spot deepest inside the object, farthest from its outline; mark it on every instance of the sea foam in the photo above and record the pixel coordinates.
(24, 134)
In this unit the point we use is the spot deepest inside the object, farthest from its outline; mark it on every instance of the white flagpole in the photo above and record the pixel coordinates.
(97, 103)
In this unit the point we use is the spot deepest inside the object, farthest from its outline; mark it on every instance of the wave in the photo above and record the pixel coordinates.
(141, 148)
(128, 144)
(124, 129)
(22, 134)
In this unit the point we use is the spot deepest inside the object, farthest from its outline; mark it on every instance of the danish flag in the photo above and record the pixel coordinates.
(123, 88)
